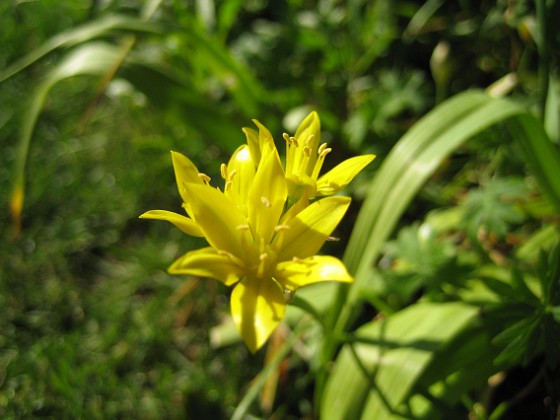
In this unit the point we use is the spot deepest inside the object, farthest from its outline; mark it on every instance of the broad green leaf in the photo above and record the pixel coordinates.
(374, 376)
(418, 154)
(463, 366)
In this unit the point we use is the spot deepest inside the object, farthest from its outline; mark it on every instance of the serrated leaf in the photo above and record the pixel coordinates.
(493, 206)
(520, 341)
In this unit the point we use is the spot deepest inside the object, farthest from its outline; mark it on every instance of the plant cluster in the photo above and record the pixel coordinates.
(452, 238)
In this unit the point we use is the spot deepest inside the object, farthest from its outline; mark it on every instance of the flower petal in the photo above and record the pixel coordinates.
(294, 209)
(253, 143)
(257, 307)
(309, 134)
(264, 135)
(342, 174)
(267, 195)
(297, 273)
(309, 230)
(206, 262)
(187, 225)
(219, 219)
(185, 172)
(240, 174)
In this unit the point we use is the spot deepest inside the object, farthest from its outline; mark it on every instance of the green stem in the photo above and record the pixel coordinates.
(544, 54)
(330, 342)
(260, 380)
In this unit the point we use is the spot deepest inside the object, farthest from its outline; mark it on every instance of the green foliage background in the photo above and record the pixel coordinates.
(457, 271)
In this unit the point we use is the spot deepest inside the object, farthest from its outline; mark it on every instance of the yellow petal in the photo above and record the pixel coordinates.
(298, 273)
(253, 143)
(257, 307)
(189, 226)
(264, 135)
(219, 219)
(342, 174)
(206, 262)
(267, 196)
(309, 230)
(295, 208)
(185, 172)
(240, 174)
(300, 185)
(309, 134)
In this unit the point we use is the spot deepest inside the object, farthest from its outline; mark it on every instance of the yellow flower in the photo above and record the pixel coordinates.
(304, 159)
(257, 242)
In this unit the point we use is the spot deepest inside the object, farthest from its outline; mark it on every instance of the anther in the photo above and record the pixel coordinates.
(288, 295)
(321, 148)
(333, 239)
(223, 170)
(307, 151)
(265, 201)
(281, 227)
(325, 152)
(309, 140)
(205, 178)
(242, 227)
(228, 185)
(286, 137)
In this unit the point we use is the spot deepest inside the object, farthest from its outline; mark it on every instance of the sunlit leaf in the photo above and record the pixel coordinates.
(373, 376)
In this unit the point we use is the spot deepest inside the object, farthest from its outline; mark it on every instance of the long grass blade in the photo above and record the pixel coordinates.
(90, 59)
(83, 33)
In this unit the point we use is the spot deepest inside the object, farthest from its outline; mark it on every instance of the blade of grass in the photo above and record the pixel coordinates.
(83, 33)
(91, 59)
(412, 161)
(420, 152)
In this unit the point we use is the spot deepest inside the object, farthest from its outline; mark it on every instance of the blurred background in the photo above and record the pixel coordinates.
(93, 96)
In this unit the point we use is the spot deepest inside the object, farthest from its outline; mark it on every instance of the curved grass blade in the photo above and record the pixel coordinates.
(90, 59)
(246, 90)
(418, 154)
(412, 161)
(83, 33)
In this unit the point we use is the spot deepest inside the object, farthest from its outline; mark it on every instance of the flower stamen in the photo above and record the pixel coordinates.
(205, 178)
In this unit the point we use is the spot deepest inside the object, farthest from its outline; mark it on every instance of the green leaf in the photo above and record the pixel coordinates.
(464, 365)
(81, 34)
(493, 206)
(541, 155)
(416, 157)
(172, 93)
(209, 52)
(518, 339)
(374, 376)
(95, 58)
